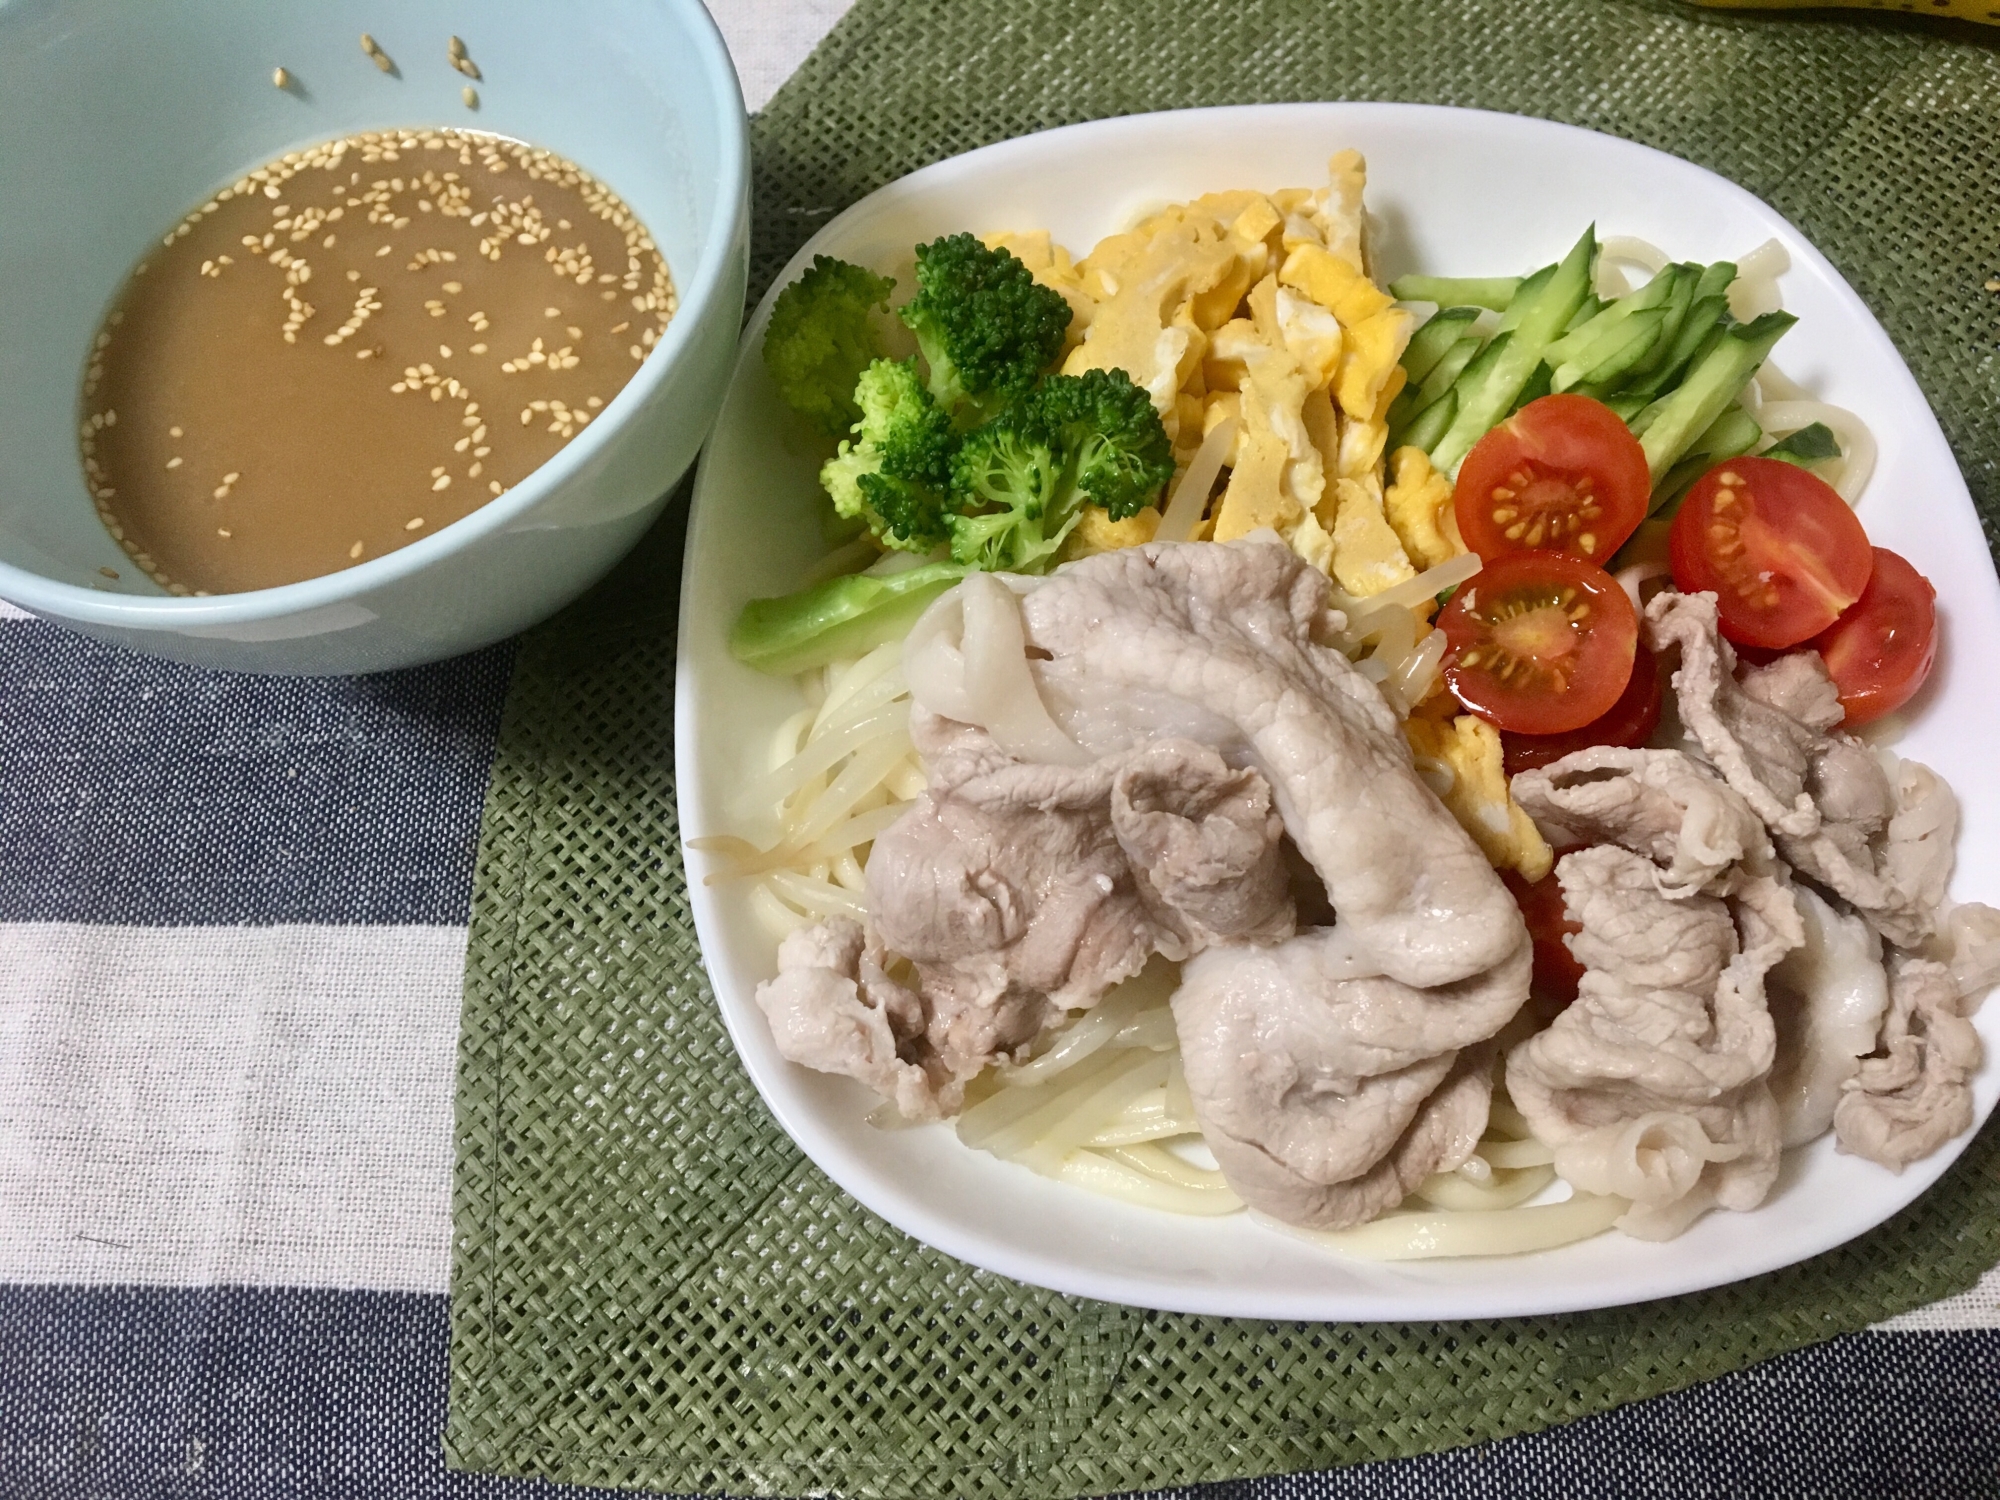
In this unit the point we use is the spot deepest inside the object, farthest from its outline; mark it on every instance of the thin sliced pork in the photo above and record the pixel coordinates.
(1670, 1018)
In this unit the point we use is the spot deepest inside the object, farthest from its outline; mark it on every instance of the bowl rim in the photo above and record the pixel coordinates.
(40, 594)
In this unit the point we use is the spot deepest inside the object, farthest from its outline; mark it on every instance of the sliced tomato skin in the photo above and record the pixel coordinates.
(1523, 478)
(1882, 649)
(1629, 722)
(1778, 547)
(1556, 971)
(1515, 657)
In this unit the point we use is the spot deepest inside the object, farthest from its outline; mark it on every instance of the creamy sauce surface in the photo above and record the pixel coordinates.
(355, 345)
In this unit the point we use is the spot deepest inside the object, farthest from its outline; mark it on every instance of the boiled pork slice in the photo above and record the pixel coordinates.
(1670, 1019)
(833, 1008)
(1662, 804)
(1006, 886)
(1231, 631)
(1918, 1094)
(1882, 844)
(1205, 843)
(1326, 1090)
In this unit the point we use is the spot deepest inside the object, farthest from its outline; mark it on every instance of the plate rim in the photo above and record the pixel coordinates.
(1419, 1298)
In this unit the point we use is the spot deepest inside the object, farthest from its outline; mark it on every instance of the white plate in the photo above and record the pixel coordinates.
(1456, 192)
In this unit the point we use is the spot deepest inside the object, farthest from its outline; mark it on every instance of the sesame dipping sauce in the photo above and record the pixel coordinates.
(355, 345)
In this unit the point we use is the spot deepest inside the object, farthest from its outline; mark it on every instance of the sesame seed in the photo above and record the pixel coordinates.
(111, 573)
(413, 523)
(222, 531)
(280, 78)
(552, 312)
(174, 432)
(355, 550)
(470, 95)
(494, 486)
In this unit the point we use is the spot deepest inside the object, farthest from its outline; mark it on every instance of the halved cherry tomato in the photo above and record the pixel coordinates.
(1539, 642)
(1562, 474)
(1781, 551)
(1630, 722)
(1556, 969)
(1882, 649)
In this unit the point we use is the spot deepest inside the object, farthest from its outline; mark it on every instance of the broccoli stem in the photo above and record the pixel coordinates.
(840, 618)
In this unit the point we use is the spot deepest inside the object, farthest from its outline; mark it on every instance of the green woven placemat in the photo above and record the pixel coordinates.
(652, 1286)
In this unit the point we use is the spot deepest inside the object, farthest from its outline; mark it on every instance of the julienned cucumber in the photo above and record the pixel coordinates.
(1429, 424)
(1457, 291)
(1674, 313)
(1535, 319)
(1806, 446)
(1637, 337)
(1525, 298)
(1408, 408)
(1705, 319)
(1607, 329)
(1671, 424)
(1429, 343)
(1730, 435)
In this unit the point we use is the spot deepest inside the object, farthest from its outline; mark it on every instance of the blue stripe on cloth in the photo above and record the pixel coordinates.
(231, 1394)
(142, 793)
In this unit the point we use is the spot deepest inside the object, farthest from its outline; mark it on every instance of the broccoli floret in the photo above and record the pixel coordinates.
(986, 327)
(1021, 481)
(820, 339)
(1113, 433)
(895, 474)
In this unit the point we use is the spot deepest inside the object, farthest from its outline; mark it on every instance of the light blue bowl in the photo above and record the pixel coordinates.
(117, 118)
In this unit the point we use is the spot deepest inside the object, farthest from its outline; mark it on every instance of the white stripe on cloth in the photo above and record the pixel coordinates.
(1978, 1308)
(191, 1106)
(13, 612)
(768, 39)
